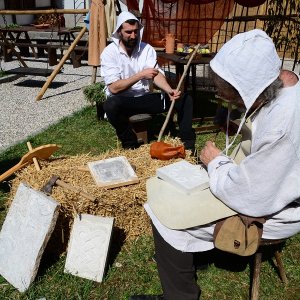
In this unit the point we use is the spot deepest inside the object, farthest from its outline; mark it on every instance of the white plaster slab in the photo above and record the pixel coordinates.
(24, 235)
(113, 172)
(184, 175)
(88, 246)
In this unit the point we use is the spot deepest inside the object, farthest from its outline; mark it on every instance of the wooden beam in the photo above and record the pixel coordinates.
(43, 11)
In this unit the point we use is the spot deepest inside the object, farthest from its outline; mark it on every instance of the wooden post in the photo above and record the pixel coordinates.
(35, 161)
(60, 64)
(94, 74)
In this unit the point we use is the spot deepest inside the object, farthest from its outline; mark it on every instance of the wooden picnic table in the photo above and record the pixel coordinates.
(180, 61)
(25, 37)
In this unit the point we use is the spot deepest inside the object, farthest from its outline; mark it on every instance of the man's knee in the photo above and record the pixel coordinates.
(111, 104)
(186, 102)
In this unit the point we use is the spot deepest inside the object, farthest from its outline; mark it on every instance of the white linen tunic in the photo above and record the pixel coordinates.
(265, 183)
(116, 65)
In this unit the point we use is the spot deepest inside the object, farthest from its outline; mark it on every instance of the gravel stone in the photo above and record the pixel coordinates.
(21, 115)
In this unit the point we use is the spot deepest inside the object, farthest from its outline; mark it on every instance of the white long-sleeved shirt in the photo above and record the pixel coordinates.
(116, 65)
(265, 183)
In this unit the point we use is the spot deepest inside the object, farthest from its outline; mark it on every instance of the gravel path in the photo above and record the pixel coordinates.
(21, 115)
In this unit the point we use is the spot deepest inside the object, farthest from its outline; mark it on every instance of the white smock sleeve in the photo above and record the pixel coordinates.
(265, 181)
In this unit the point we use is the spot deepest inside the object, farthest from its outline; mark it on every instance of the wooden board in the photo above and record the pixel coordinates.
(113, 172)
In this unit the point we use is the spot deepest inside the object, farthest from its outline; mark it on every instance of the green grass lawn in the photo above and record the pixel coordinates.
(131, 268)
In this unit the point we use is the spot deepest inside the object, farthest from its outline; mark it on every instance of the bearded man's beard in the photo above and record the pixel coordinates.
(130, 44)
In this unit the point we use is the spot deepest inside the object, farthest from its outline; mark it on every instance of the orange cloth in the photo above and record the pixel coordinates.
(97, 32)
(191, 21)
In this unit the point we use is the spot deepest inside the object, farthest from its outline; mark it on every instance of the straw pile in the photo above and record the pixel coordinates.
(125, 203)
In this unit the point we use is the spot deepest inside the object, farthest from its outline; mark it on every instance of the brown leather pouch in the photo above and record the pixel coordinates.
(164, 151)
(238, 234)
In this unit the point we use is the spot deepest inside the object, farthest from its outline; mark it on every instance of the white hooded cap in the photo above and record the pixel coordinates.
(123, 17)
(249, 62)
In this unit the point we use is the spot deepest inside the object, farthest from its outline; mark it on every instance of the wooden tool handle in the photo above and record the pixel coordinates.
(178, 88)
(12, 171)
(74, 189)
(35, 161)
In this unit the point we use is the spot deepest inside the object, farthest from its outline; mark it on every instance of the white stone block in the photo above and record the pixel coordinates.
(185, 176)
(88, 246)
(25, 232)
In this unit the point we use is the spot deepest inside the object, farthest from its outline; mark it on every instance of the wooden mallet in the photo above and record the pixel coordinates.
(55, 180)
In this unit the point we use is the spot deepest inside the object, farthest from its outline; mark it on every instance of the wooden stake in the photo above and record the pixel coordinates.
(35, 161)
(60, 64)
(178, 88)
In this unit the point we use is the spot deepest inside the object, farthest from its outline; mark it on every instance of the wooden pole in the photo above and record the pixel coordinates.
(178, 88)
(61, 63)
(43, 11)
(94, 74)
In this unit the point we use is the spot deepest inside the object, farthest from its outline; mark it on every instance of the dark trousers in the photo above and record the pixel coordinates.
(118, 109)
(176, 271)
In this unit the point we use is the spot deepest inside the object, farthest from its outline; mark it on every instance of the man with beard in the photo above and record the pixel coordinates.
(129, 67)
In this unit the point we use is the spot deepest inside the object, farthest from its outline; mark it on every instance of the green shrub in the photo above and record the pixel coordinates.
(2, 73)
(95, 93)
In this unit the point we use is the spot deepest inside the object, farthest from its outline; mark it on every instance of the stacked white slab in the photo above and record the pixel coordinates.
(88, 246)
(25, 232)
(185, 176)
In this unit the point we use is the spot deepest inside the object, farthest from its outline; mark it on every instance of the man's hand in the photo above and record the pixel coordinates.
(149, 73)
(124, 84)
(174, 95)
(209, 152)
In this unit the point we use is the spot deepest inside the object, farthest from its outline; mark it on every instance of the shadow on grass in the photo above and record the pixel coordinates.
(56, 245)
(117, 241)
(221, 260)
(4, 167)
(230, 262)
(40, 84)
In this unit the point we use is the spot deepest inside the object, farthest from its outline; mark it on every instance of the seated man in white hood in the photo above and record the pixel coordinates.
(128, 67)
(261, 180)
